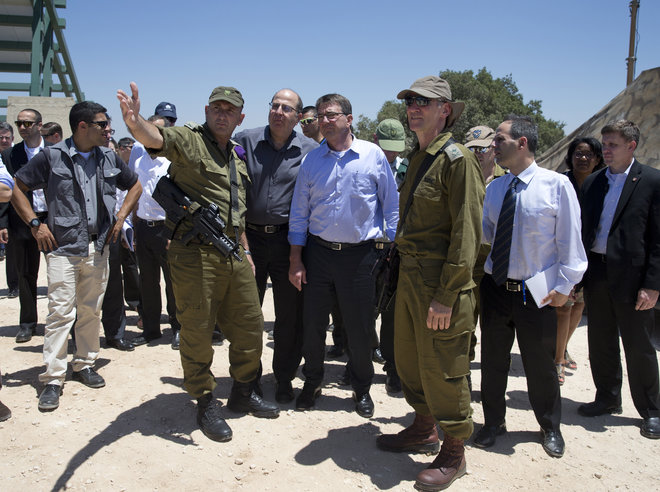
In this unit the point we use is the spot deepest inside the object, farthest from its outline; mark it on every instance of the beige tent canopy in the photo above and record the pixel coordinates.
(639, 102)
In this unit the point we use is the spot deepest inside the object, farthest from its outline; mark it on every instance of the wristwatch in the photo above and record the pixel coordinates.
(35, 223)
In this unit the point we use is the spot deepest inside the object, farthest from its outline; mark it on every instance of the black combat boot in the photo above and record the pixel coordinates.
(245, 399)
(209, 418)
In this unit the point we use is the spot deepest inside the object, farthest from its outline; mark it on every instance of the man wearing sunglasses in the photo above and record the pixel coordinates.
(81, 176)
(310, 124)
(273, 155)
(438, 240)
(344, 195)
(22, 249)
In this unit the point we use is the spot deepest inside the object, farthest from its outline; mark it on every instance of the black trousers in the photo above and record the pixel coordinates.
(151, 249)
(113, 315)
(387, 337)
(609, 318)
(10, 269)
(347, 274)
(131, 278)
(503, 316)
(24, 254)
(270, 253)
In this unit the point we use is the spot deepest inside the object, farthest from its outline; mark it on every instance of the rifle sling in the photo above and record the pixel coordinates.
(426, 164)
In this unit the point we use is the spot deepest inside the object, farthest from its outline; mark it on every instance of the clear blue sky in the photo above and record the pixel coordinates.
(570, 54)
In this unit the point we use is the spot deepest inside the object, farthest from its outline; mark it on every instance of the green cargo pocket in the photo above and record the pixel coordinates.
(453, 354)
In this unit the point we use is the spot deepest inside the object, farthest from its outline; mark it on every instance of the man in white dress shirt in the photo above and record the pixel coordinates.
(151, 248)
(532, 219)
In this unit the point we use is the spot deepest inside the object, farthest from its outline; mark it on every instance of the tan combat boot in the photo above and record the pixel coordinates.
(446, 467)
(420, 437)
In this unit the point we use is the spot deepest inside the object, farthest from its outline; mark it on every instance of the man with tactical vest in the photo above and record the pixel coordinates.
(210, 287)
(438, 238)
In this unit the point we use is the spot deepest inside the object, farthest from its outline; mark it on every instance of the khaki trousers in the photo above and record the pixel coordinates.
(76, 286)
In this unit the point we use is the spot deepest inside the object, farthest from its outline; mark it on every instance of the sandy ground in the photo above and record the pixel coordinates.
(139, 432)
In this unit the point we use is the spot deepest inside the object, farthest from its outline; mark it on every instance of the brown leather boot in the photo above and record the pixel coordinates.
(446, 467)
(420, 437)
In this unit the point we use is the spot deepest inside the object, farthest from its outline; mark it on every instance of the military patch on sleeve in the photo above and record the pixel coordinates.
(453, 152)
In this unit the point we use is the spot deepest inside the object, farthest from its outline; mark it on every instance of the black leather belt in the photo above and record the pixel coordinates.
(153, 223)
(382, 244)
(597, 257)
(513, 285)
(93, 238)
(268, 229)
(338, 246)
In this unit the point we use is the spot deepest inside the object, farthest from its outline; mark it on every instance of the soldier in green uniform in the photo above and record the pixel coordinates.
(438, 240)
(208, 287)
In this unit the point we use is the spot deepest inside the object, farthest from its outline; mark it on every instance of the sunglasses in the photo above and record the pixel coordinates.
(479, 150)
(26, 124)
(307, 121)
(419, 100)
(101, 124)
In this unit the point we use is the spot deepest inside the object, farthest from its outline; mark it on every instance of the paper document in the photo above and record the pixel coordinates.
(542, 283)
(127, 233)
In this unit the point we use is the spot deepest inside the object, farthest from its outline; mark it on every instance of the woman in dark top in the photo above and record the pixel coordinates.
(584, 156)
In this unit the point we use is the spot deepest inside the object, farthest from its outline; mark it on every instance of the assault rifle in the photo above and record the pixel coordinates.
(208, 227)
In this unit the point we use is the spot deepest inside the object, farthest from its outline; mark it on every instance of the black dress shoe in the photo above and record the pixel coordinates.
(49, 399)
(120, 344)
(487, 435)
(364, 405)
(553, 443)
(596, 408)
(335, 352)
(143, 340)
(25, 334)
(244, 399)
(307, 397)
(377, 356)
(176, 340)
(650, 428)
(218, 339)
(284, 392)
(88, 377)
(5, 413)
(209, 418)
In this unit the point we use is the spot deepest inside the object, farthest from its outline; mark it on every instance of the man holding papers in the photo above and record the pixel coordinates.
(532, 219)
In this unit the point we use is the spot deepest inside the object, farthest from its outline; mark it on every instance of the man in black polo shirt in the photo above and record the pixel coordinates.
(273, 156)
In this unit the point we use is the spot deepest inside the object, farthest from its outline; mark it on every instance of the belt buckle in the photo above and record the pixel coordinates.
(335, 246)
(513, 286)
(270, 229)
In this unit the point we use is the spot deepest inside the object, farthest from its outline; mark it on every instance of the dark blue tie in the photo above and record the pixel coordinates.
(502, 244)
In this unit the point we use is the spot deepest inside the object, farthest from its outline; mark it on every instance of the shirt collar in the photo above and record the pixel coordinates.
(355, 147)
(615, 177)
(526, 175)
(292, 141)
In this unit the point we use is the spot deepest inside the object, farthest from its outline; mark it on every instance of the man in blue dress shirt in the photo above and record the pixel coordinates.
(344, 193)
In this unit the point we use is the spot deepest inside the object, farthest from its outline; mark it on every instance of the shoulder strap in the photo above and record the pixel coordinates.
(426, 164)
(233, 194)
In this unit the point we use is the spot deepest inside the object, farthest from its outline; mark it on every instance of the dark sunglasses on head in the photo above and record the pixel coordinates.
(26, 124)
